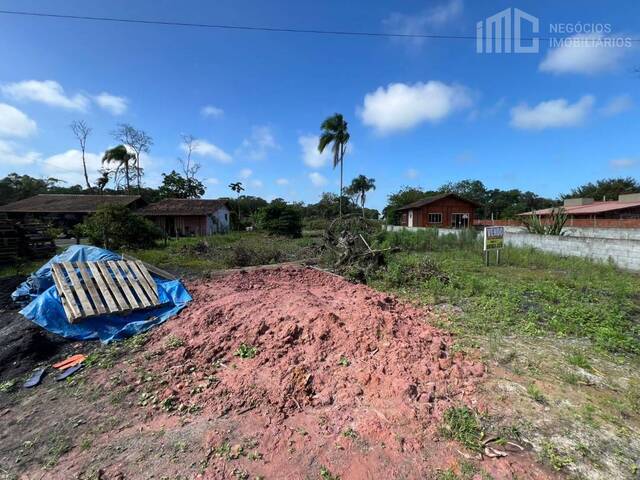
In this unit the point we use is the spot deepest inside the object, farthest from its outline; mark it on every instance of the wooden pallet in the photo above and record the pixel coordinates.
(88, 289)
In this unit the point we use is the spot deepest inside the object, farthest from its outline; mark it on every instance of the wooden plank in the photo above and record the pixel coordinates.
(149, 290)
(102, 287)
(123, 284)
(66, 296)
(90, 286)
(122, 303)
(78, 290)
(145, 272)
(151, 268)
(133, 281)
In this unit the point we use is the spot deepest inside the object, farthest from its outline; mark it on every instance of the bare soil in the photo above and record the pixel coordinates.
(283, 373)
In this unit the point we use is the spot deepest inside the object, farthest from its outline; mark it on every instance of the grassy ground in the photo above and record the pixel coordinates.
(199, 255)
(561, 335)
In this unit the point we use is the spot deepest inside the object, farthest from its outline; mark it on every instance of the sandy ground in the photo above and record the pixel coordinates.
(285, 373)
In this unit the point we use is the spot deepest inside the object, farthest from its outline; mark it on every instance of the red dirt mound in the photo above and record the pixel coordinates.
(333, 360)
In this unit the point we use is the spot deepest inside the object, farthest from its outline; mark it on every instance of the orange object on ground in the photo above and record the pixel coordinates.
(70, 362)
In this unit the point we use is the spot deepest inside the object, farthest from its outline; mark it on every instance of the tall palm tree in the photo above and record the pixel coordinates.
(335, 131)
(359, 188)
(238, 188)
(122, 158)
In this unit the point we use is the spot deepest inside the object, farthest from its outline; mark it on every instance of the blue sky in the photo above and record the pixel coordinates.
(421, 111)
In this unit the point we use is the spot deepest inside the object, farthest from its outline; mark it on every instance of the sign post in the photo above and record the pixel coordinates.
(493, 240)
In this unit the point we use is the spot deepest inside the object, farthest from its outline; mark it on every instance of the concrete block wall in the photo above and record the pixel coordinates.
(624, 253)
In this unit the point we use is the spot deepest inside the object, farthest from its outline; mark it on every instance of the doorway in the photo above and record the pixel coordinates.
(460, 220)
(410, 222)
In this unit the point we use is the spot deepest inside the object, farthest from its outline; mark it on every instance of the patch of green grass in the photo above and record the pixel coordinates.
(344, 361)
(246, 351)
(172, 342)
(8, 386)
(325, 474)
(350, 433)
(59, 444)
(577, 359)
(529, 293)
(552, 455)
(534, 392)
(463, 425)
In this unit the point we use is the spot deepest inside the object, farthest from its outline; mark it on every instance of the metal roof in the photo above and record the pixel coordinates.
(591, 209)
(66, 203)
(182, 206)
(435, 198)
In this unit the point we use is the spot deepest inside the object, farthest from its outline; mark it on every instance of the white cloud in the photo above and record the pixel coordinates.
(585, 54)
(206, 149)
(258, 144)
(10, 155)
(552, 114)
(67, 166)
(310, 154)
(401, 106)
(622, 163)
(617, 105)
(112, 103)
(246, 173)
(14, 123)
(317, 179)
(422, 22)
(282, 181)
(48, 92)
(212, 181)
(412, 173)
(257, 183)
(211, 111)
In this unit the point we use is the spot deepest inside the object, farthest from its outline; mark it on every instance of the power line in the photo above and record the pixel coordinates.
(250, 28)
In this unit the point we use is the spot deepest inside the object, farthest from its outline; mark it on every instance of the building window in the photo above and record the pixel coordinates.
(435, 218)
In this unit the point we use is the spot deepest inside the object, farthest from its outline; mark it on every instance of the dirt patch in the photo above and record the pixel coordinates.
(283, 373)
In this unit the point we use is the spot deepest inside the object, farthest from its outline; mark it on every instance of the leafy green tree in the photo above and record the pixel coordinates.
(175, 185)
(359, 188)
(470, 189)
(115, 226)
(402, 197)
(280, 218)
(335, 131)
(15, 187)
(609, 188)
(237, 188)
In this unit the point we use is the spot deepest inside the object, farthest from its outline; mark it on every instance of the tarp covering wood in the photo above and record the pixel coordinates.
(45, 308)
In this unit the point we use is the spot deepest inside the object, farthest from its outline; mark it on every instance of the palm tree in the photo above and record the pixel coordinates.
(359, 188)
(334, 130)
(121, 156)
(237, 187)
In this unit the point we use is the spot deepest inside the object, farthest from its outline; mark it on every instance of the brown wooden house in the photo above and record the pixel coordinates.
(447, 210)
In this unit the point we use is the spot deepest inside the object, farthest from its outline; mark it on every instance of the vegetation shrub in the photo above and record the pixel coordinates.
(409, 270)
(281, 219)
(243, 255)
(428, 240)
(115, 226)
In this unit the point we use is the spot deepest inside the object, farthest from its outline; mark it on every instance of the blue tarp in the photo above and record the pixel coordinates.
(46, 309)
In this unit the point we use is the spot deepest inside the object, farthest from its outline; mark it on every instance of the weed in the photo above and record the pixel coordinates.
(556, 459)
(170, 403)
(85, 444)
(344, 361)
(534, 392)
(350, 433)
(173, 342)
(246, 351)
(462, 424)
(8, 386)
(577, 359)
(58, 445)
(325, 474)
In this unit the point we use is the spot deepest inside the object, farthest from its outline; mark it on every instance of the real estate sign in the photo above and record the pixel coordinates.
(493, 238)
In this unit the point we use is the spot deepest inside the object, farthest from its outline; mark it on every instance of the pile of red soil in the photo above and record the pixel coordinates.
(331, 356)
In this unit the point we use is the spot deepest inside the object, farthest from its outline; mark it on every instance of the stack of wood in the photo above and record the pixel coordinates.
(34, 241)
(8, 241)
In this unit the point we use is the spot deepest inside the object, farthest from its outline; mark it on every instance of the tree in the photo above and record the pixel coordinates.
(15, 187)
(175, 185)
(81, 130)
(470, 189)
(279, 218)
(402, 197)
(359, 188)
(335, 131)
(237, 188)
(608, 188)
(138, 142)
(122, 159)
(103, 180)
